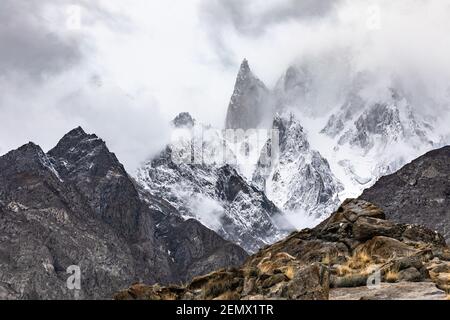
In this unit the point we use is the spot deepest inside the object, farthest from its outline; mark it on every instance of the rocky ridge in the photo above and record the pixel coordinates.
(77, 206)
(212, 190)
(300, 179)
(347, 250)
(418, 193)
(362, 136)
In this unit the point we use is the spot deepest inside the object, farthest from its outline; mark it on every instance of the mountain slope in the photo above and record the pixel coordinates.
(76, 205)
(417, 193)
(210, 190)
(364, 130)
(299, 180)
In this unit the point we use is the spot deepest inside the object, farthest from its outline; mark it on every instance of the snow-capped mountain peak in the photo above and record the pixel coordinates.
(212, 190)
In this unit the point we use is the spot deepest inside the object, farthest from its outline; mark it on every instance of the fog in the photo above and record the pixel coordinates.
(127, 69)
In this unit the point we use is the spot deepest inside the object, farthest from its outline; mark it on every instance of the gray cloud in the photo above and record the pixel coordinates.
(247, 19)
(132, 67)
(250, 18)
(36, 42)
(51, 81)
(29, 46)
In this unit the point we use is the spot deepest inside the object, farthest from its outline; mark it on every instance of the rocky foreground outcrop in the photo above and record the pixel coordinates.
(77, 206)
(356, 247)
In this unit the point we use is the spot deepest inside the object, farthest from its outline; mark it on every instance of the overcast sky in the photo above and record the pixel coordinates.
(131, 66)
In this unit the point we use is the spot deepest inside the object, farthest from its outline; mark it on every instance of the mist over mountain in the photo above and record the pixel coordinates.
(128, 94)
(234, 124)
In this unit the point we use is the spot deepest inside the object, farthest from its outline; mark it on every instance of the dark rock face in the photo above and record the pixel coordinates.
(196, 250)
(85, 161)
(345, 250)
(250, 101)
(418, 193)
(77, 206)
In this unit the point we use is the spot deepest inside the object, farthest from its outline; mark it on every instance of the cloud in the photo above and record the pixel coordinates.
(131, 68)
(208, 211)
(255, 17)
(30, 46)
(227, 19)
(52, 79)
(393, 44)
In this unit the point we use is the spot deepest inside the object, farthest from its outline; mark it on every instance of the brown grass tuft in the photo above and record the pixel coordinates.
(343, 270)
(360, 260)
(391, 276)
(289, 272)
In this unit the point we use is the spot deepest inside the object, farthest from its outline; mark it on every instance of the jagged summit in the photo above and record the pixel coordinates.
(300, 179)
(30, 146)
(184, 119)
(74, 138)
(244, 70)
(249, 102)
(28, 157)
(77, 132)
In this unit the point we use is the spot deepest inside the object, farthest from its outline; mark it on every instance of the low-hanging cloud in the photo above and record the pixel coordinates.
(388, 44)
(52, 80)
(255, 17)
(28, 46)
(133, 66)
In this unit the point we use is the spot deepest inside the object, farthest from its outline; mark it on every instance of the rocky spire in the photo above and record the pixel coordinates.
(182, 120)
(250, 100)
(244, 70)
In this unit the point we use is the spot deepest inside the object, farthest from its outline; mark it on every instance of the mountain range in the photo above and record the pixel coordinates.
(231, 197)
(76, 205)
(305, 171)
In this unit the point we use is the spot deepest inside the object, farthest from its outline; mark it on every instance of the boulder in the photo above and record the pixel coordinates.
(418, 233)
(309, 283)
(349, 281)
(366, 228)
(410, 274)
(386, 248)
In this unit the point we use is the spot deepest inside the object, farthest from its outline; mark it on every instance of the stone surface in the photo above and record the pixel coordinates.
(309, 262)
(304, 283)
(391, 291)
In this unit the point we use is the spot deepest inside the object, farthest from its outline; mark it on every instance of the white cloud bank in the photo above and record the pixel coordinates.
(134, 65)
